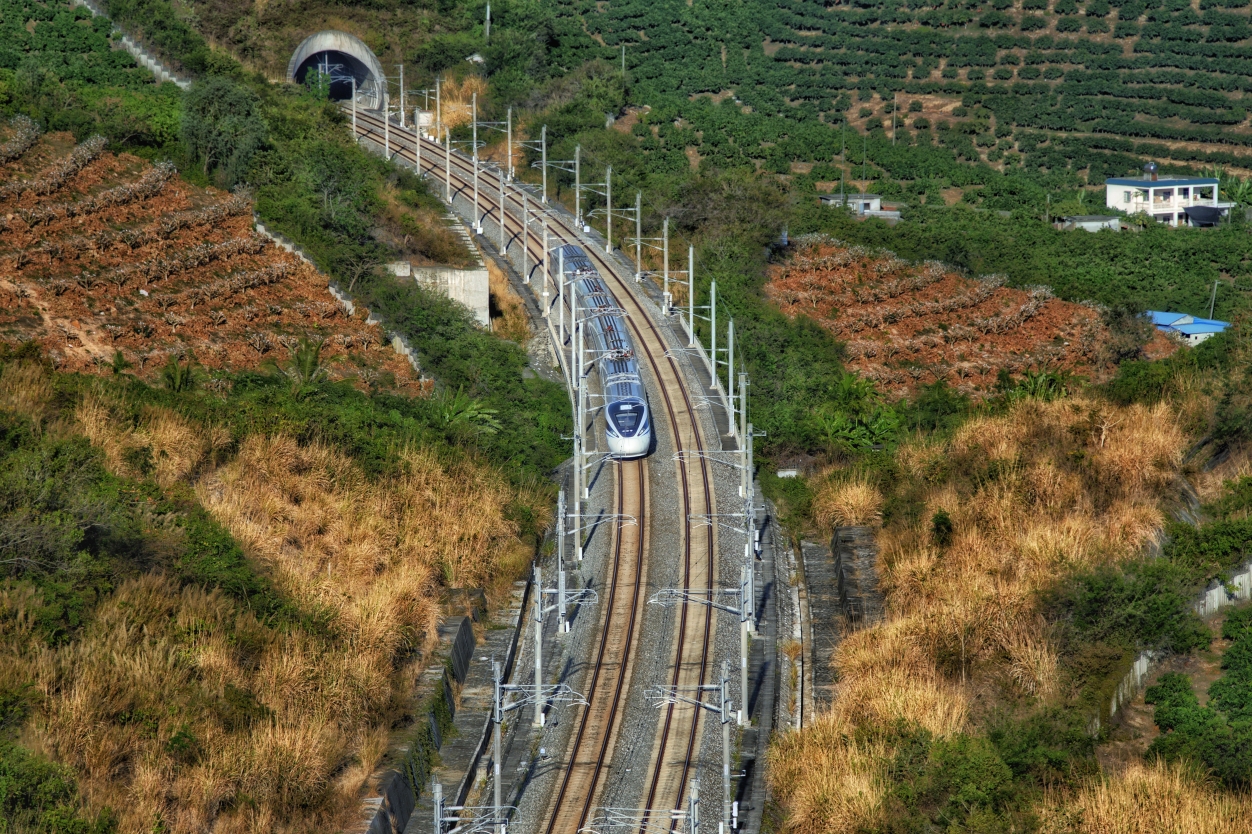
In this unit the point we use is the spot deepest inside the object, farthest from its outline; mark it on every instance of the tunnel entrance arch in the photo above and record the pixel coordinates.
(343, 57)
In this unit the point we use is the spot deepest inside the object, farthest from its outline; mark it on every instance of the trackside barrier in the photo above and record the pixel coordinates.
(1215, 597)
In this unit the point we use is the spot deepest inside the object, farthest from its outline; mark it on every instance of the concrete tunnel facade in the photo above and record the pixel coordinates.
(347, 58)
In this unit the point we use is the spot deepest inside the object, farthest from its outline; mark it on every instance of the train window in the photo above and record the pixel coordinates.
(627, 420)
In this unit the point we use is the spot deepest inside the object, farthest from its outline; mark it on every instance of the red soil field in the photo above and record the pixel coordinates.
(907, 325)
(124, 256)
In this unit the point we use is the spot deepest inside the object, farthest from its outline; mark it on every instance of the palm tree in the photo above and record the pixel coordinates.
(462, 414)
(306, 369)
(179, 376)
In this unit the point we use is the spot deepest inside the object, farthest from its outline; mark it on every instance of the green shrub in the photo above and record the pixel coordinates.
(38, 797)
(1217, 736)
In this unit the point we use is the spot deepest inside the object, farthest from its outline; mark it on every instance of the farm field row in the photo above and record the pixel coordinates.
(123, 263)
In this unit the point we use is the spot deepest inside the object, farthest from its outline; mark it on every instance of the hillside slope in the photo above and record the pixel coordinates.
(126, 259)
(1108, 72)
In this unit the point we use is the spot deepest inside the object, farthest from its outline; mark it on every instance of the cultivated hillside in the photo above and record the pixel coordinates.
(108, 256)
(906, 325)
(1166, 70)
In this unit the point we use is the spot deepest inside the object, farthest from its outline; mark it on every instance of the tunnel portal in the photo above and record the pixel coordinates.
(344, 58)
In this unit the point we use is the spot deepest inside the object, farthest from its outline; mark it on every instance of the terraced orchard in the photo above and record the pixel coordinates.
(112, 261)
(906, 325)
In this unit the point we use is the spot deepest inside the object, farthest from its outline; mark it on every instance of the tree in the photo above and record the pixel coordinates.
(306, 368)
(180, 376)
(222, 128)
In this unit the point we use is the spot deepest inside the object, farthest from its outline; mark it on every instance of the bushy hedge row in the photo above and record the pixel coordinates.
(1219, 735)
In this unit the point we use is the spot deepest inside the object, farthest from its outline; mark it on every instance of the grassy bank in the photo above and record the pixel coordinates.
(216, 617)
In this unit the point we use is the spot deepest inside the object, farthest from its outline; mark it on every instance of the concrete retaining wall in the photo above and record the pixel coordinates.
(389, 809)
(1214, 598)
(467, 286)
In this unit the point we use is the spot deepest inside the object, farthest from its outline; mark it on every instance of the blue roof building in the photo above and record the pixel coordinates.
(1190, 329)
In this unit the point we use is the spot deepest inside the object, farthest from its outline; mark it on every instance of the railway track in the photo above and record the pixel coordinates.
(675, 746)
(580, 784)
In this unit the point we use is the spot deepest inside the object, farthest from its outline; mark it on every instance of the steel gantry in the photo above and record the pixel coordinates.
(648, 821)
(565, 598)
(537, 695)
(482, 818)
(660, 696)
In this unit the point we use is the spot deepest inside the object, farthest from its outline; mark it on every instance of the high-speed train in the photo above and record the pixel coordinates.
(628, 424)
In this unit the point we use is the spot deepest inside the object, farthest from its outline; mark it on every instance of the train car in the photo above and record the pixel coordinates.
(628, 422)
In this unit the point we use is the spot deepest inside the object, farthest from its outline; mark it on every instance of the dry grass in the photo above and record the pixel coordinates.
(1045, 489)
(176, 706)
(370, 551)
(847, 503)
(512, 322)
(26, 389)
(172, 446)
(457, 98)
(844, 780)
(1149, 799)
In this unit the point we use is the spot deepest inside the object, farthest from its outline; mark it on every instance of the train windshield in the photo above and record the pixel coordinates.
(626, 416)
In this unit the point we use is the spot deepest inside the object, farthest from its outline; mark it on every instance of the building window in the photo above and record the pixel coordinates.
(1125, 196)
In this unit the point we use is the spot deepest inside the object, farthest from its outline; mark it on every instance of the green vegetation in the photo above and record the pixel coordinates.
(66, 76)
(38, 797)
(1217, 736)
(986, 783)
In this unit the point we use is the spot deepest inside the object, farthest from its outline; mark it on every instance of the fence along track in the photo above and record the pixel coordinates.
(679, 730)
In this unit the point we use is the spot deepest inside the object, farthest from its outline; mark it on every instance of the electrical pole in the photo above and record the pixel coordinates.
(402, 95)
(508, 142)
(691, 295)
(478, 225)
(638, 236)
(386, 124)
(538, 719)
(525, 235)
(578, 188)
(503, 242)
(725, 716)
(665, 261)
(543, 142)
(608, 213)
(438, 110)
(447, 163)
(497, 718)
(1213, 300)
(713, 334)
(547, 271)
(354, 110)
(730, 373)
(560, 302)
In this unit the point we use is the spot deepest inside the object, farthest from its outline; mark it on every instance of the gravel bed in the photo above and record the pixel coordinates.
(530, 778)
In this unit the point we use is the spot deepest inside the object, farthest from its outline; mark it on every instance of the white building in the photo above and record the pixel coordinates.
(862, 205)
(1092, 222)
(1167, 200)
